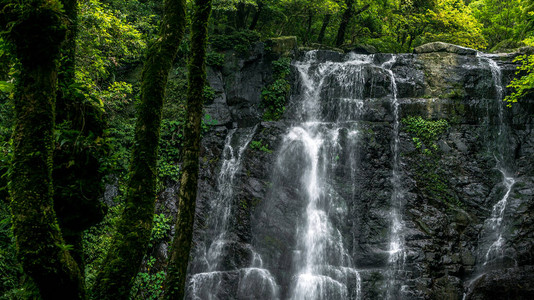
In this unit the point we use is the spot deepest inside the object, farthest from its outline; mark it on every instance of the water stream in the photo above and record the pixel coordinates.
(493, 226)
(208, 283)
(396, 245)
(322, 262)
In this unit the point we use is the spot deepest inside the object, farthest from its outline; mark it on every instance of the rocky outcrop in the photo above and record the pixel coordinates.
(444, 47)
(450, 182)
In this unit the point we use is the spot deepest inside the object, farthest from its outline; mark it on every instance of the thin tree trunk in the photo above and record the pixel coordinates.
(256, 16)
(326, 21)
(308, 27)
(37, 36)
(345, 19)
(133, 230)
(181, 245)
(240, 15)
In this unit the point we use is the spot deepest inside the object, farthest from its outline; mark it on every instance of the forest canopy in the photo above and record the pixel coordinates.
(98, 49)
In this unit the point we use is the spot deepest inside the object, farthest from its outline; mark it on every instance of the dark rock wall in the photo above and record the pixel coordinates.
(448, 194)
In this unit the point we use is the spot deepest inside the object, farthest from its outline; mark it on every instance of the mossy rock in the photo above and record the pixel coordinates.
(284, 45)
(444, 47)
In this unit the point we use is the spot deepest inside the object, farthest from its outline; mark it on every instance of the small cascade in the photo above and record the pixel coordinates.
(396, 245)
(218, 223)
(208, 283)
(493, 226)
(321, 138)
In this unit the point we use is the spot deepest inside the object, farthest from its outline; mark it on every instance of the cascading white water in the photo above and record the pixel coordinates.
(223, 204)
(206, 284)
(396, 245)
(493, 225)
(323, 266)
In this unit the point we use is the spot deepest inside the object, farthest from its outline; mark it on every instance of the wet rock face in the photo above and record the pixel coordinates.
(450, 183)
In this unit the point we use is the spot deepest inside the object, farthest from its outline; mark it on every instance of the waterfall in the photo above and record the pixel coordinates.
(493, 226)
(323, 266)
(208, 283)
(396, 245)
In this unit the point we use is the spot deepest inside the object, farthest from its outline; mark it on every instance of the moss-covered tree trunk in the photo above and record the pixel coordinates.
(181, 245)
(133, 230)
(37, 35)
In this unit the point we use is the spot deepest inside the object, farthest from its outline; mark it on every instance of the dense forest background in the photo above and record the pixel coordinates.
(100, 87)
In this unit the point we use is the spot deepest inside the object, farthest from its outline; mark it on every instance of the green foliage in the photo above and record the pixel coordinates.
(208, 93)
(160, 229)
(275, 95)
(502, 20)
(171, 142)
(117, 96)
(105, 40)
(523, 85)
(148, 284)
(433, 181)
(14, 284)
(96, 242)
(431, 178)
(258, 145)
(215, 59)
(6, 124)
(240, 41)
(425, 132)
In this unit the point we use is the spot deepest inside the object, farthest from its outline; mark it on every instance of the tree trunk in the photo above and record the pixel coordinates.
(256, 16)
(133, 230)
(326, 21)
(240, 16)
(181, 245)
(37, 36)
(345, 19)
(309, 22)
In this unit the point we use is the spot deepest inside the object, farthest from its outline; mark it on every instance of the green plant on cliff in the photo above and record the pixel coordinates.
(431, 179)
(425, 132)
(258, 145)
(275, 95)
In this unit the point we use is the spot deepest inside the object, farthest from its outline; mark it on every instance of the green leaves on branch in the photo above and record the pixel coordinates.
(523, 85)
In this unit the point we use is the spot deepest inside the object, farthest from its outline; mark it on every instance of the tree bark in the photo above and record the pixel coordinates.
(181, 245)
(240, 15)
(37, 36)
(309, 22)
(133, 230)
(345, 19)
(326, 21)
(257, 15)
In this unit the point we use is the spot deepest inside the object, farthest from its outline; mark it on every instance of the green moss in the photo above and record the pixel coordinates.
(433, 181)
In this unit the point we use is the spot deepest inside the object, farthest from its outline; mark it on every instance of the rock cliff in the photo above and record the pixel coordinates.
(435, 118)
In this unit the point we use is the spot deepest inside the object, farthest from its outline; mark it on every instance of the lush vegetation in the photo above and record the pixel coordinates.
(93, 107)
